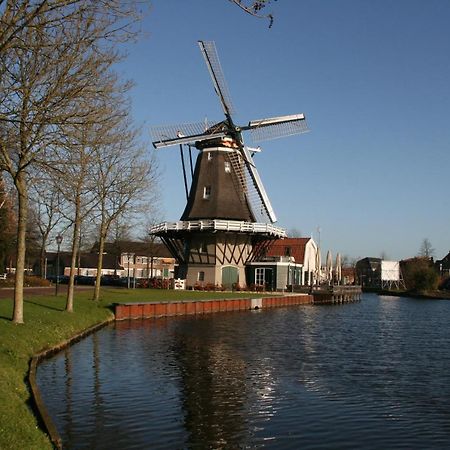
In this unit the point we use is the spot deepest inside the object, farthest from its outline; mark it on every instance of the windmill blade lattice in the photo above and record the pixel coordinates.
(277, 127)
(164, 133)
(208, 49)
(260, 206)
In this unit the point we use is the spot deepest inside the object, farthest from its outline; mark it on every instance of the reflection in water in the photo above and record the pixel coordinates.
(373, 374)
(212, 378)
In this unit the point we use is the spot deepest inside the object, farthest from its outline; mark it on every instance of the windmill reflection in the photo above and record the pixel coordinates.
(220, 390)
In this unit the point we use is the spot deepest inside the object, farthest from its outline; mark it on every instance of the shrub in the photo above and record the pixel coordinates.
(422, 278)
(29, 281)
(257, 287)
(445, 284)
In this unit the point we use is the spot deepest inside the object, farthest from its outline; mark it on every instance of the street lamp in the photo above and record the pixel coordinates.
(59, 240)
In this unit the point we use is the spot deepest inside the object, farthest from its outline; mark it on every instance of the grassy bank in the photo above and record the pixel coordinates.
(46, 325)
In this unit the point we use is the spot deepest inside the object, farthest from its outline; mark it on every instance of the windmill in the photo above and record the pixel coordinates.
(228, 219)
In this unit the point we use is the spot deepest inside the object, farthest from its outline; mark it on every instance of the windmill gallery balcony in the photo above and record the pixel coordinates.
(218, 225)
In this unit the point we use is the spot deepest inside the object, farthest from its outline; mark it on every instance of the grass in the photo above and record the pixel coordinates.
(46, 325)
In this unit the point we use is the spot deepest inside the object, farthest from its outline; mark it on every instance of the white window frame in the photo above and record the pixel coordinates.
(260, 276)
(206, 192)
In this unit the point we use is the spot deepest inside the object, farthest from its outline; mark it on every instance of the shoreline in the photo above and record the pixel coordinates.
(129, 311)
(435, 295)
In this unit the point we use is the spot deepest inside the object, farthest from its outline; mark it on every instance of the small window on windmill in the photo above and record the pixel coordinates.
(207, 192)
(202, 247)
(227, 166)
(201, 276)
(210, 156)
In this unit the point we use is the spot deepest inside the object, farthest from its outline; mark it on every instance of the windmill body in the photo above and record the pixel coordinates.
(216, 191)
(228, 219)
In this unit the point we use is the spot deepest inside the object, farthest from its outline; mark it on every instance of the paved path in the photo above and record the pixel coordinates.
(62, 289)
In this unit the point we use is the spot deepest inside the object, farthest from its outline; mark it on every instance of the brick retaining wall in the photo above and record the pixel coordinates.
(164, 309)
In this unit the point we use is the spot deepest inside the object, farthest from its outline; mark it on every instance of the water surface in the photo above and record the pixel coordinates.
(374, 374)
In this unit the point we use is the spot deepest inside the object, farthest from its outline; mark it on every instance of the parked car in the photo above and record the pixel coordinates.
(62, 279)
(84, 280)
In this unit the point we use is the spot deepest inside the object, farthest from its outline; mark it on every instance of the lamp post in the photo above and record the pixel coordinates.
(59, 239)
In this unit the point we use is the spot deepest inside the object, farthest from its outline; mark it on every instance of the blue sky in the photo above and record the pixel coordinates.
(372, 77)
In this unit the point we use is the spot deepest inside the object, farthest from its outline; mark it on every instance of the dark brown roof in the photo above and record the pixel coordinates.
(86, 260)
(156, 249)
(289, 247)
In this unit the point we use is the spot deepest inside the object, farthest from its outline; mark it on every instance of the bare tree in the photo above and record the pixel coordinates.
(20, 15)
(125, 177)
(294, 233)
(345, 261)
(7, 225)
(77, 174)
(426, 249)
(47, 201)
(52, 54)
(255, 8)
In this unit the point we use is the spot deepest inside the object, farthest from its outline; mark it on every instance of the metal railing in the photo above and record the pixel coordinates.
(219, 225)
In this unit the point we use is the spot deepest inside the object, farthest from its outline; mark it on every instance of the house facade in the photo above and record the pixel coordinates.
(274, 273)
(125, 259)
(368, 272)
(443, 266)
(303, 250)
(286, 263)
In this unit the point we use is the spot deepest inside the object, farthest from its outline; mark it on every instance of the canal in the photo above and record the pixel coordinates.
(374, 374)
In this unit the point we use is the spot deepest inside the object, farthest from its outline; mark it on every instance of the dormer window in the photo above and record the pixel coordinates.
(207, 192)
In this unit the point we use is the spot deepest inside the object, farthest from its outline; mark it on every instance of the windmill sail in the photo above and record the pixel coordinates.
(236, 194)
(167, 135)
(208, 49)
(254, 175)
(276, 127)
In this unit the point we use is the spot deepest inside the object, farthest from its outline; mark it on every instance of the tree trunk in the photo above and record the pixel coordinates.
(75, 250)
(42, 257)
(42, 261)
(101, 247)
(21, 186)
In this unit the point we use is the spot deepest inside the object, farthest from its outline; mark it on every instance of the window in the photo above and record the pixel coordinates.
(287, 251)
(260, 276)
(227, 166)
(201, 276)
(202, 247)
(206, 192)
(210, 156)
